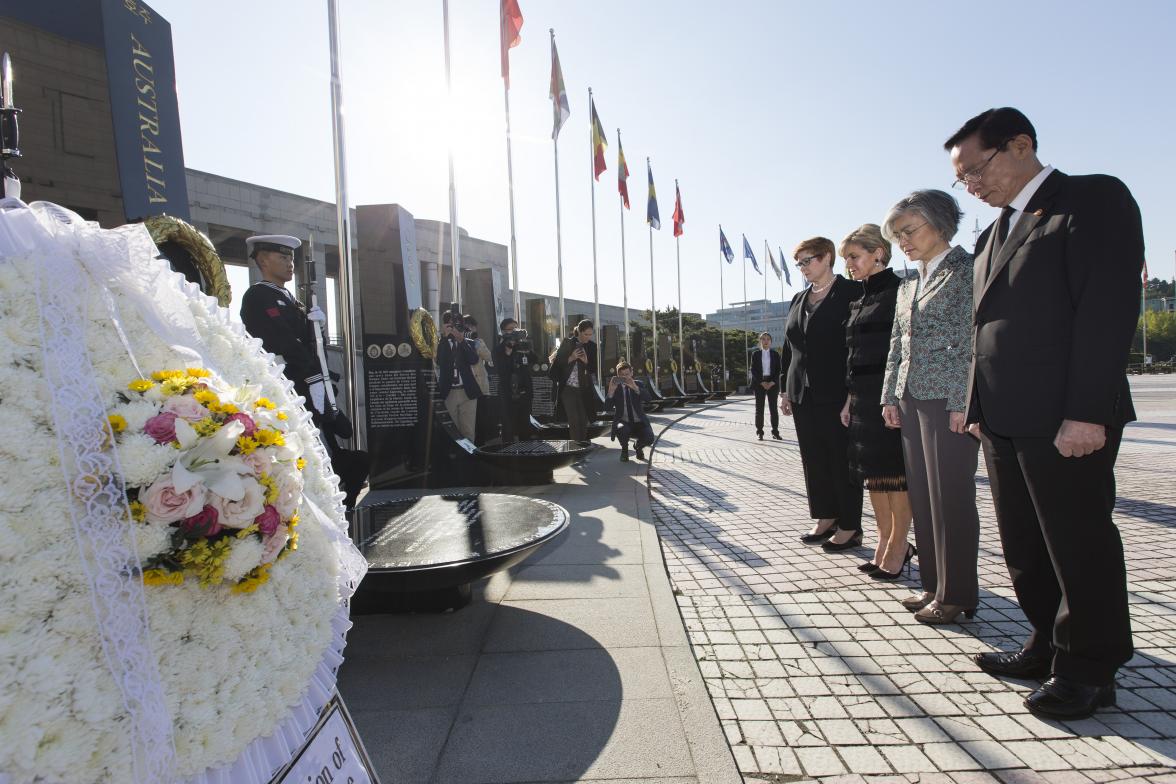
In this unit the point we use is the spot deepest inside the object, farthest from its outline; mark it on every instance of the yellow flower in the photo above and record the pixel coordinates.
(117, 423)
(206, 426)
(162, 577)
(269, 438)
(263, 402)
(198, 372)
(293, 521)
(205, 561)
(283, 416)
(245, 445)
(206, 397)
(138, 511)
(164, 375)
(301, 463)
(225, 408)
(271, 488)
(176, 385)
(140, 385)
(256, 578)
(252, 529)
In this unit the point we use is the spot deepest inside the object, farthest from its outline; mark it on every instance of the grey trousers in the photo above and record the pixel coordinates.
(941, 484)
(573, 403)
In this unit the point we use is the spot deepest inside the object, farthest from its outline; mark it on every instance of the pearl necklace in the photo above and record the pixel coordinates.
(817, 290)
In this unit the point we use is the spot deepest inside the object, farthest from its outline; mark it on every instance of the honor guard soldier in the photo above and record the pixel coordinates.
(272, 314)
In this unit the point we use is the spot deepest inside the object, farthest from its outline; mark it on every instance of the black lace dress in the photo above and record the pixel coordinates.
(875, 451)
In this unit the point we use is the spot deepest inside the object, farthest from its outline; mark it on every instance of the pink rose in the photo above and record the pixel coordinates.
(240, 514)
(258, 460)
(161, 427)
(185, 407)
(268, 521)
(246, 421)
(203, 523)
(289, 492)
(272, 545)
(165, 506)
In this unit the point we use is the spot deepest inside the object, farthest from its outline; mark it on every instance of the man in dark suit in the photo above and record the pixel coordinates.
(765, 380)
(456, 357)
(1057, 286)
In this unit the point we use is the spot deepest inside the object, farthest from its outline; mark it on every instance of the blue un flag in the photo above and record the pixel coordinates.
(747, 254)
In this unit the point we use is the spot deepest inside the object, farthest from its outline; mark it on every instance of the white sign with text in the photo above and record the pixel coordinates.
(332, 755)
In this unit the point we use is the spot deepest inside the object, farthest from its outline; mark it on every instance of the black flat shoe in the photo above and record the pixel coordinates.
(1020, 664)
(822, 536)
(868, 567)
(1061, 698)
(848, 544)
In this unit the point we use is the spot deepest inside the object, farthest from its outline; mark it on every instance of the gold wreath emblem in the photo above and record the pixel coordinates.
(165, 228)
(697, 366)
(674, 365)
(424, 333)
(648, 365)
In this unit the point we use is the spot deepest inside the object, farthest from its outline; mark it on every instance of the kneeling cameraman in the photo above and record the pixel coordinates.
(513, 360)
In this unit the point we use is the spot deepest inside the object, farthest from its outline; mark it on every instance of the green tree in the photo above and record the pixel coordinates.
(1161, 335)
(698, 334)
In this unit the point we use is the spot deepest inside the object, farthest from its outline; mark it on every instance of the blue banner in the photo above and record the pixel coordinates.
(146, 113)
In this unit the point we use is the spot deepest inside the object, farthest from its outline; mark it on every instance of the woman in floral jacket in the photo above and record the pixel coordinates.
(925, 393)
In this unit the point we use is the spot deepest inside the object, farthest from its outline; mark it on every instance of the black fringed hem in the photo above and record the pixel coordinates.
(886, 484)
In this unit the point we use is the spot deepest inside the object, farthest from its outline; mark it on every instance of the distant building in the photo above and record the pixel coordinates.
(759, 315)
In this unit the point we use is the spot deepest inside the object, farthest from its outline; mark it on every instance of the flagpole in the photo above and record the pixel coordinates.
(746, 325)
(722, 302)
(348, 306)
(767, 253)
(624, 275)
(595, 287)
(514, 251)
(563, 317)
(652, 297)
(454, 239)
(681, 334)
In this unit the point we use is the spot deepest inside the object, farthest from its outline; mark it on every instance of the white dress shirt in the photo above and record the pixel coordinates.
(1021, 201)
(766, 357)
(928, 269)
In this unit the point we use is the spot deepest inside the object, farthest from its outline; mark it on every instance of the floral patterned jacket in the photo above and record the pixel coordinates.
(931, 340)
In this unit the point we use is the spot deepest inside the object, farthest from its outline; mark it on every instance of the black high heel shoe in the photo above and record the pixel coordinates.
(869, 567)
(848, 544)
(882, 574)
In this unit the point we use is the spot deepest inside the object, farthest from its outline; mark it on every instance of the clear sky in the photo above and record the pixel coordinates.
(781, 120)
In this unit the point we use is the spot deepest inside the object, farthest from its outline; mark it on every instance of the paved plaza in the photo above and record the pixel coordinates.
(816, 671)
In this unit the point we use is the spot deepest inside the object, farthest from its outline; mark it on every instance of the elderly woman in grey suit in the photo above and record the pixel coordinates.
(924, 392)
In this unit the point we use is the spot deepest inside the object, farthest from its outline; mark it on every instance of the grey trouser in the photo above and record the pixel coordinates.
(941, 484)
(573, 403)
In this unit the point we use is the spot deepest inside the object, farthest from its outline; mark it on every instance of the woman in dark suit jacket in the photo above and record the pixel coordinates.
(814, 392)
(572, 369)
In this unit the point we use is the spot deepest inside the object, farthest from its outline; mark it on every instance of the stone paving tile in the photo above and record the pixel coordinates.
(817, 672)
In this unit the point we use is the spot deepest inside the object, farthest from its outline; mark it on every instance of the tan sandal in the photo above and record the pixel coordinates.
(938, 614)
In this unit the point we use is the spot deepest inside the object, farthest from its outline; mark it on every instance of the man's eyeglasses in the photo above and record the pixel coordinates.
(910, 231)
(973, 177)
(807, 260)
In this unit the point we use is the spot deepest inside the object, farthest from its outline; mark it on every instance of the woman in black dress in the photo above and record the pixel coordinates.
(814, 392)
(875, 451)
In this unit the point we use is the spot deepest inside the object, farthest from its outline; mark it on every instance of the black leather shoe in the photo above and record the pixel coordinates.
(776, 435)
(1021, 664)
(822, 536)
(1062, 698)
(760, 436)
(848, 544)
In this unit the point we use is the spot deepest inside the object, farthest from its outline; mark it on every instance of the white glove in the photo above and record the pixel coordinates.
(316, 314)
(318, 396)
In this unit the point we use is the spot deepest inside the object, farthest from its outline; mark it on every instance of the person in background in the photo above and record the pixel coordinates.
(629, 419)
(765, 381)
(571, 369)
(875, 451)
(485, 425)
(513, 366)
(815, 391)
(456, 358)
(1056, 306)
(925, 392)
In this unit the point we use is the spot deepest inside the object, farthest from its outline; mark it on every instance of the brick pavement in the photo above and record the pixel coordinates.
(816, 671)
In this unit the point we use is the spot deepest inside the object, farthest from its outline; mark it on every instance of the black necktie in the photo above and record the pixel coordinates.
(1002, 234)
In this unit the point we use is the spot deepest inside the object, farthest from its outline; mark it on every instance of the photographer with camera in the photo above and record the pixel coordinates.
(456, 357)
(629, 420)
(572, 368)
(513, 360)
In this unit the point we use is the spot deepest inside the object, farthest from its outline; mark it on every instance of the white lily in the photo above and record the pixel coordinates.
(208, 463)
(242, 396)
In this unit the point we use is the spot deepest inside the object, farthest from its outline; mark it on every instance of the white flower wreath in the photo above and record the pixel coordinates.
(243, 674)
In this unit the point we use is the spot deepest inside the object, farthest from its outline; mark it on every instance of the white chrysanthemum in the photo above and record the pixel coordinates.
(136, 413)
(142, 460)
(152, 539)
(245, 555)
